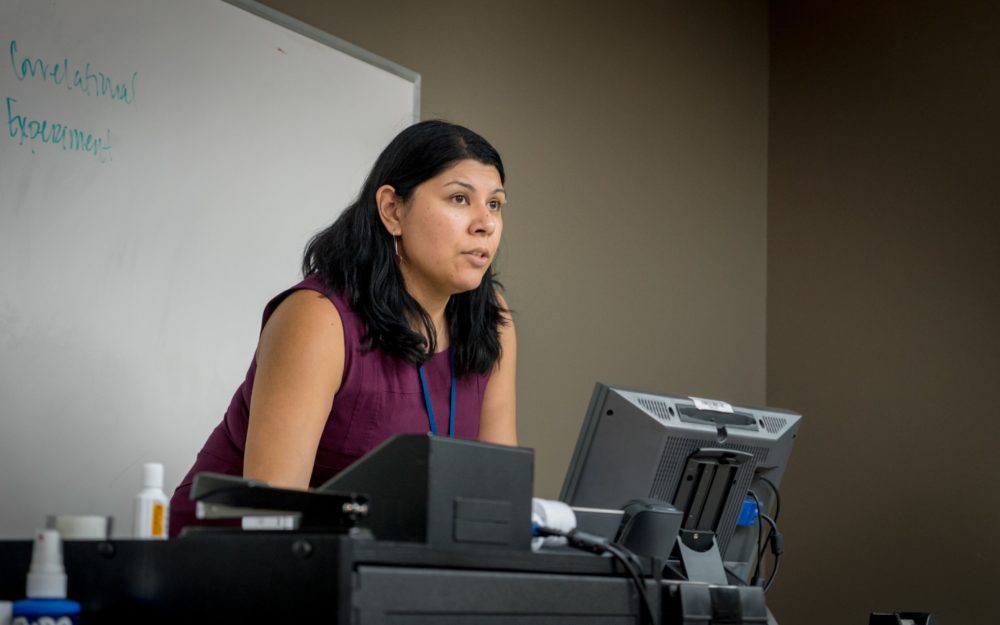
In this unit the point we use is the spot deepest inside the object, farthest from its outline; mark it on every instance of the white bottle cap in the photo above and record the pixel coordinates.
(554, 515)
(152, 475)
(47, 577)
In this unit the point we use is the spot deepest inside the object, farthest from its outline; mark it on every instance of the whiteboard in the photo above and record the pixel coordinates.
(162, 167)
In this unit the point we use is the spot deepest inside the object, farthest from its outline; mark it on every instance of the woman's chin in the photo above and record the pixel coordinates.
(470, 284)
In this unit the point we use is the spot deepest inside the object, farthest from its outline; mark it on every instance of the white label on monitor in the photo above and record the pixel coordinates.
(711, 404)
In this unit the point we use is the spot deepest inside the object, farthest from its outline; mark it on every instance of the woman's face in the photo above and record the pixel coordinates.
(450, 228)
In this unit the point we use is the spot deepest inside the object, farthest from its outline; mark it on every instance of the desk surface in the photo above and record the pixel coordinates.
(279, 577)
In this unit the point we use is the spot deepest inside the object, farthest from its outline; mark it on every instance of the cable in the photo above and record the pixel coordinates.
(777, 510)
(774, 528)
(596, 544)
(623, 555)
(777, 549)
(774, 572)
(777, 495)
(629, 561)
(755, 579)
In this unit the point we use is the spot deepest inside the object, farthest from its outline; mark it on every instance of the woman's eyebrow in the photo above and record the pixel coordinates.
(468, 186)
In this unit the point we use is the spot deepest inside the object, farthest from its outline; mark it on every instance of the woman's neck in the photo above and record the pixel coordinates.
(434, 306)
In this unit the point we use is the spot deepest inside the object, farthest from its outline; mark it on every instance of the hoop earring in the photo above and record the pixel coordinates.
(395, 248)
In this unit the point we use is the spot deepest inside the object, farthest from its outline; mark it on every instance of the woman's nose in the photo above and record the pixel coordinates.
(485, 221)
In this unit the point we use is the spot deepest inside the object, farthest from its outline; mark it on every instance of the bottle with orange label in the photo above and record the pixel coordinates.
(151, 514)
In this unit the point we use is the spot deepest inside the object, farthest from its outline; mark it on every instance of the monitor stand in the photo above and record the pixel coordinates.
(699, 554)
(705, 486)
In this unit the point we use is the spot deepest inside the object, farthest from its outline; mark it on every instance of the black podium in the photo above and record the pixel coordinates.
(422, 530)
(341, 579)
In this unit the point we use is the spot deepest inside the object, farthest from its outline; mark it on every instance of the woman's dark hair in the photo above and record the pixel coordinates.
(355, 256)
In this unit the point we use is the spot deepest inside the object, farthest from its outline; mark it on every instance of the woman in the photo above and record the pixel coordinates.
(397, 327)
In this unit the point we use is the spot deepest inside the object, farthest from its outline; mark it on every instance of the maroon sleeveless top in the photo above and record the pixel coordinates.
(380, 395)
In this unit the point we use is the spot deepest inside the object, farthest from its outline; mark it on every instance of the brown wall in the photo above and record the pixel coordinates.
(884, 305)
(635, 137)
(649, 188)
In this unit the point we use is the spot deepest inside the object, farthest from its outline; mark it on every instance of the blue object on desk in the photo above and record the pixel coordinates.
(53, 610)
(748, 514)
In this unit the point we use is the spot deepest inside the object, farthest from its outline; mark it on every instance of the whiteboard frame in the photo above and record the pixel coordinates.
(335, 42)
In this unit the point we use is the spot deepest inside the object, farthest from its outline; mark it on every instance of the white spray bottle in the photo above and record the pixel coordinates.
(46, 587)
(151, 505)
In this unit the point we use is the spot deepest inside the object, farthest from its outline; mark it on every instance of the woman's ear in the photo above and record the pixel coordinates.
(390, 207)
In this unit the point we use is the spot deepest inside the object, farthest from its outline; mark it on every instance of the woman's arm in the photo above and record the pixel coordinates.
(300, 363)
(498, 419)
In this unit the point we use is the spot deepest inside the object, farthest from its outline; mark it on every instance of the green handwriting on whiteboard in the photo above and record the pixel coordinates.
(27, 129)
(63, 73)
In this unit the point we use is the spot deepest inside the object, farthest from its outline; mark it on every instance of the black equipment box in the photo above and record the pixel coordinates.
(444, 492)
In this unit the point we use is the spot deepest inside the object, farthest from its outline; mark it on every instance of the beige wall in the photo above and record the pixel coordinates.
(635, 137)
(884, 305)
(642, 248)
(637, 140)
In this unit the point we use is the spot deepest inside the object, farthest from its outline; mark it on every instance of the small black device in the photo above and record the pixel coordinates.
(444, 491)
(649, 528)
(221, 496)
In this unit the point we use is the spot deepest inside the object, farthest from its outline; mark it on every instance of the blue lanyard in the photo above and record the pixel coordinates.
(427, 398)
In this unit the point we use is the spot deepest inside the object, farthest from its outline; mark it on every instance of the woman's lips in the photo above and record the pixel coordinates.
(478, 257)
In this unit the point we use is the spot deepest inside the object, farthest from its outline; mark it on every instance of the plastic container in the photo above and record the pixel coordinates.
(150, 516)
(46, 588)
(46, 612)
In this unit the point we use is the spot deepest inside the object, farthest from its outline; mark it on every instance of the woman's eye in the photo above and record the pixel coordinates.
(459, 199)
(494, 205)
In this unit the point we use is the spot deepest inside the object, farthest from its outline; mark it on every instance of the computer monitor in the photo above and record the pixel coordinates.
(635, 444)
